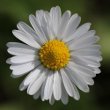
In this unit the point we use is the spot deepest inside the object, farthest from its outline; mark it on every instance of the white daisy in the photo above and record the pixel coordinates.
(57, 55)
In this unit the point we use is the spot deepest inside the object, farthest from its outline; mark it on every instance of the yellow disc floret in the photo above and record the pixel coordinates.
(54, 54)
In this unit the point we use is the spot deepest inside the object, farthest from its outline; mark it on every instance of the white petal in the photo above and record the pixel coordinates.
(15, 76)
(49, 85)
(20, 49)
(43, 19)
(21, 59)
(23, 68)
(22, 87)
(67, 83)
(64, 21)
(86, 52)
(57, 86)
(97, 71)
(37, 95)
(71, 27)
(33, 75)
(70, 88)
(51, 100)
(91, 47)
(42, 90)
(85, 62)
(64, 97)
(81, 43)
(39, 16)
(88, 34)
(28, 30)
(43, 87)
(25, 38)
(82, 29)
(55, 17)
(91, 63)
(50, 33)
(94, 58)
(83, 70)
(37, 84)
(77, 80)
(37, 28)
(88, 80)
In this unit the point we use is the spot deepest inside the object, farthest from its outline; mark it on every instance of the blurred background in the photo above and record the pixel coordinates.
(95, 11)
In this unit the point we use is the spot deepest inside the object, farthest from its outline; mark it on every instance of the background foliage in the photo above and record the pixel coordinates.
(95, 11)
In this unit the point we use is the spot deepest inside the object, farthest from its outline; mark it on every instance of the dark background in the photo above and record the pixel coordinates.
(95, 11)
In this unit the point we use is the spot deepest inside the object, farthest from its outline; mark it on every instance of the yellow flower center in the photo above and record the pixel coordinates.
(54, 54)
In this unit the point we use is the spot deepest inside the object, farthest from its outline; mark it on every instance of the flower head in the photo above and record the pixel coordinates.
(58, 55)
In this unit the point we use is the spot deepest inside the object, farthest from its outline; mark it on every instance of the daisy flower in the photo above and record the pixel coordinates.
(58, 55)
